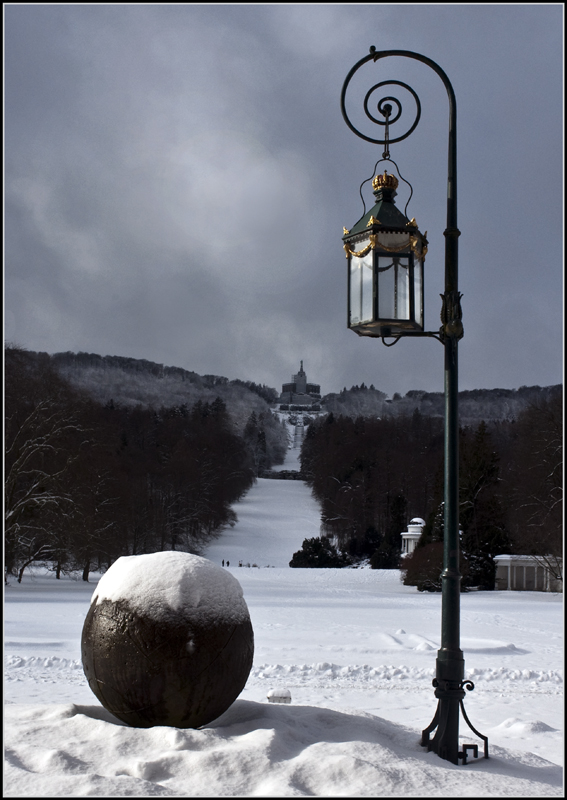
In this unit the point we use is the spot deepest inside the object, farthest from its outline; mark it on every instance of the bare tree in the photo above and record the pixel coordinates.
(535, 483)
(37, 462)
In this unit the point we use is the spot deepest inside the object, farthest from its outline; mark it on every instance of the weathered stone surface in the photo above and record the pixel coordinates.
(181, 671)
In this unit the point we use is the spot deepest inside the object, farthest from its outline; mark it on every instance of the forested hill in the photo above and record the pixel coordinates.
(133, 381)
(108, 457)
(475, 405)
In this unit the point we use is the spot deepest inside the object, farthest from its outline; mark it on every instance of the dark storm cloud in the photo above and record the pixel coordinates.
(177, 179)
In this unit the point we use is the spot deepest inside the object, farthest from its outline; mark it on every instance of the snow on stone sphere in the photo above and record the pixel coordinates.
(159, 585)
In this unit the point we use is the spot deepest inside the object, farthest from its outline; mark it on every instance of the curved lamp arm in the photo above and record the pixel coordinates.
(375, 55)
(452, 327)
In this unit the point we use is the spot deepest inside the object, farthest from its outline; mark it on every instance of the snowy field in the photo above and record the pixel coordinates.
(355, 648)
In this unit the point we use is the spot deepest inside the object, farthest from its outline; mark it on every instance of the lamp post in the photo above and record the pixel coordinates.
(385, 253)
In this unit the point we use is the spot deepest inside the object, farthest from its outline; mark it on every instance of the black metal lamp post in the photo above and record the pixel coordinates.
(385, 253)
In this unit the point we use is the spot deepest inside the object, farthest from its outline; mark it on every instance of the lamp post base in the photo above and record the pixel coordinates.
(446, 740)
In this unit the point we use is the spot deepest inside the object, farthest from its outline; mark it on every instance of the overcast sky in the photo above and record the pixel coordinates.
(178, 178)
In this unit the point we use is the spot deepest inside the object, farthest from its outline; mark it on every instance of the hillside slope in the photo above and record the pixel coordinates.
(132, 382)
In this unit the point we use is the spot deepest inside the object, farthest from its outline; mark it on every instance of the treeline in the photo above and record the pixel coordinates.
(88, 482)
(475, 405)
(267, 393)
(132, 381)
(372, 476)
(369, 474)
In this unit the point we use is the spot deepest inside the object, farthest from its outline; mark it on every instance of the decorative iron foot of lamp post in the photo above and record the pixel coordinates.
(386, 254)
(446, 720)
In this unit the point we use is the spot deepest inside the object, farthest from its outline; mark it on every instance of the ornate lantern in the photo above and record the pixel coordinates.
(385, 253)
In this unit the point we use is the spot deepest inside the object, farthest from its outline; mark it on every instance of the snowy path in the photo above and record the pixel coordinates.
(273, 520)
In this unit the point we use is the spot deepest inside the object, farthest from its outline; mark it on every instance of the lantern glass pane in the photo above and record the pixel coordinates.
(393, 287)
(367, 288)
(386, 288)
(403, 289)
(418, 288)
(354, 291)
(361, 289)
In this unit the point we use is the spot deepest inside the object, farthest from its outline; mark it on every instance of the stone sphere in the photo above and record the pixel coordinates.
(167, 640)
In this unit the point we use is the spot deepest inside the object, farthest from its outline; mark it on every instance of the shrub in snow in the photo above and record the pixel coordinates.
(423, 568)
(319, 552)
(167, 640)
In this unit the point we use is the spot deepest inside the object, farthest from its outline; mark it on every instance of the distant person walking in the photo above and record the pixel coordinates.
(228, 563)
(223, 562)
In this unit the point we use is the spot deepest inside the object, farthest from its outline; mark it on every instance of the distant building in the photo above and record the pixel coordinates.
(299, 392)
(411, 537)
(525, 574)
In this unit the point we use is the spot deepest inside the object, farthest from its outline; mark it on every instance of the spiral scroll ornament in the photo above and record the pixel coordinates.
(388, 106)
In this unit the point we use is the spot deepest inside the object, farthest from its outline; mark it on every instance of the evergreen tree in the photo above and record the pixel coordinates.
(318, 552)
(387, 555)
(255, 437)
(481, 516)
(434, 528)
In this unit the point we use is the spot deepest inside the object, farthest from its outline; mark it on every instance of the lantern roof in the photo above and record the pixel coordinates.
(384, 214)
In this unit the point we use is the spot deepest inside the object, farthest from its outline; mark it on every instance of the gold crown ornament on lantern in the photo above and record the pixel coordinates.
(384, 181)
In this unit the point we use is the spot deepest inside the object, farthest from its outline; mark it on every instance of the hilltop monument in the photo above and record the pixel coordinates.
(299, 392)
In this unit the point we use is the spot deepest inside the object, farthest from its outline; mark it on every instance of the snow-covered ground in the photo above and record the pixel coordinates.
(273, 520)
(355, 648)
